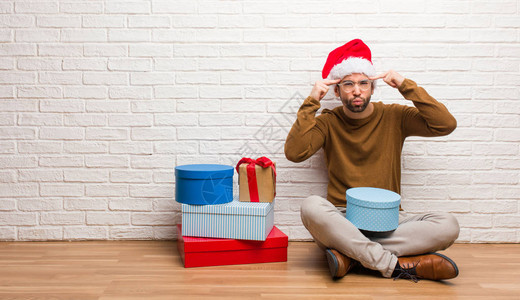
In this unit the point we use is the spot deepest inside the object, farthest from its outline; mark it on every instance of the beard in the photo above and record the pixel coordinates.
(356, 104)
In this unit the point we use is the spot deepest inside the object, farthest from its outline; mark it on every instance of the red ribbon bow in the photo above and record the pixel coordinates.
(264, 162)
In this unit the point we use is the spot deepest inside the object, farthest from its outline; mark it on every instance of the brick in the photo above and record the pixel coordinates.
(17, 133)
(149, 22)
(165, 232)
(39, 204)
(469, 163)
(175, 92)
(39, 147)
(40, 234)
(62, 218)
(490, 236)
(103, 21)
(126, 7)
(39, 92)
(106, 161)
(131, 176)
(153, 134)
(151, 191)
(454, 148)
(60, 50)
(62, 106)
(17, 77)
(85, 233)
(174, 64)
(152, 162)
(7, 233)
(39, 35)
(163, 177)
(495, 178)
(177, 7)
(82, 7)
(62, 133)
(508, 164)
(153, 219)
(176, 147)
(62, 78)
(106, 190)
(166, 205)
(16, 21)
(240, 21)
(63, 190)
(130, 92)
(241, 51)
(85, 92)
(512, 221)
(227, 8)
(497, 121)
(17, 162)
(7, 205)
(197, 51)
(156, 106)
(8, 176)
(138, 148)
(448, 7)
(118, 106)
(448, 178)
(508, 107)
(6, 7)
(105, 78)
(151, 78)
(129, 64)
(508, 135)
(83, 35)
(106, 134)
(90, 120)
(85, 64)
(177, 119)
(40, 175)
(18, 219)
(58, 21)
(89, 147)
(129, 35)
(508, 50)
(493, 35)
(471, 192)
(188, 133)
(494, 149)
(85, 175)
(6, 64)
(108, 218)
(134, 120)
(131, 233)
(36, 7)
(108, 50)
(89, 204)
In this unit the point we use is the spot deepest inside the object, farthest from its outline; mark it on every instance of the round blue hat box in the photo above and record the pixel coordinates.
(203, 184)
(373, 209)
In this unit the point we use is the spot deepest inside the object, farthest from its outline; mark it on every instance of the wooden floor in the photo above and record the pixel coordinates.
(153, 270)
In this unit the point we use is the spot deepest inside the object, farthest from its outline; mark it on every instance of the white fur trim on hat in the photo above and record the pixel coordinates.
(352, 65)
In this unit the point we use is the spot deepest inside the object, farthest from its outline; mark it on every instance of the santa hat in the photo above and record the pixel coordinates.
(353, 57)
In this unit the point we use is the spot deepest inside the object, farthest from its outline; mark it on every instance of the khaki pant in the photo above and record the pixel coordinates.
(417, 234)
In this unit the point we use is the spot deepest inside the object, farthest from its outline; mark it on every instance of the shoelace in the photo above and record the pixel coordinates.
(407, 272)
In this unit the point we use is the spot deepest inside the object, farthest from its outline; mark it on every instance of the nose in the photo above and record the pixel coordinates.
(356, 90)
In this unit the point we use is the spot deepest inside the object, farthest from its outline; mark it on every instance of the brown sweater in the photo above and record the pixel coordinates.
(366, 152)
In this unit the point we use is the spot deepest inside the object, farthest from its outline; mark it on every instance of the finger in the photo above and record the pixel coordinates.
(330, 81)
(383, 75)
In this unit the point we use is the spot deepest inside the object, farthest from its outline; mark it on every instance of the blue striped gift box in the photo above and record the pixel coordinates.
(233, 220)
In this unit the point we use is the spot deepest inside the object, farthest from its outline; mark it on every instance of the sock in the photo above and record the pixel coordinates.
(397, 269)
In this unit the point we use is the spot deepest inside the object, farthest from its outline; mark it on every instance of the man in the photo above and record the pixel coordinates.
(362, 142)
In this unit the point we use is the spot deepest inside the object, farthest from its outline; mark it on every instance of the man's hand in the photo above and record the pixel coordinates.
(391, 77)
(321, 87)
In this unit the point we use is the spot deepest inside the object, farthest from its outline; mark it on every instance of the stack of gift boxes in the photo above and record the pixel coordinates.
(219, 228)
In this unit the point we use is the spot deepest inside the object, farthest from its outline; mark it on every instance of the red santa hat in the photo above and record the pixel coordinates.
(353, 57)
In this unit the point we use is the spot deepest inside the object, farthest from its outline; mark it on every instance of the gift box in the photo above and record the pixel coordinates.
(373, 209)
(202, 252)
(256, 180)
(204, 184)
(233, 220)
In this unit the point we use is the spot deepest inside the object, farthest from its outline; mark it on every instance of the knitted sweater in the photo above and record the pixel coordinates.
(365, 152)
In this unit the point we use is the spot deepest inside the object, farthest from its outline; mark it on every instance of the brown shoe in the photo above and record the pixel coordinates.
(339, 264)
(433, 266)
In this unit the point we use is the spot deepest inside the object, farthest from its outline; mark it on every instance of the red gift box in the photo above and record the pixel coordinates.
(203, 252)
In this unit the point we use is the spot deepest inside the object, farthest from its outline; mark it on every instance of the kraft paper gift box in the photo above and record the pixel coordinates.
(202, 252)
(256, 180)
(233, 220)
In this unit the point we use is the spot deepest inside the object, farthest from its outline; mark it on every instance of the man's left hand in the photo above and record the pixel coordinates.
(391, 77)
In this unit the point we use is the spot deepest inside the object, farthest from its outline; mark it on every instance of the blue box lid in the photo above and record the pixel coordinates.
(204, 171)
(373, 197)
(234, 207)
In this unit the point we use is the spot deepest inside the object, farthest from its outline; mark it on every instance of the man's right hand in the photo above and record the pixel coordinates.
(321, 87)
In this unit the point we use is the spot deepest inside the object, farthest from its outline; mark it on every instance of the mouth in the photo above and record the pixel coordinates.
(358, 101)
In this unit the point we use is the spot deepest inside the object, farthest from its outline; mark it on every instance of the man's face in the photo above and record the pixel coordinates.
(354, 98)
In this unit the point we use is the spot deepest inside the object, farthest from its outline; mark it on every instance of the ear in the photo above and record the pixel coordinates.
(336, 90)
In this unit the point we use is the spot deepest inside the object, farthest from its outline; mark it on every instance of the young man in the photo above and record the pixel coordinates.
(362, 142)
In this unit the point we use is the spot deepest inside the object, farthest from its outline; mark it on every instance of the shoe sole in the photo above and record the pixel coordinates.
(451, 262)
(333, 263)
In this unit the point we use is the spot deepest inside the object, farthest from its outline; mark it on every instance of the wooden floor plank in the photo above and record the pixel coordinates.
(111, 270)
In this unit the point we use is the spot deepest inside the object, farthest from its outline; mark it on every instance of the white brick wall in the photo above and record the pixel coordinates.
(99, 100)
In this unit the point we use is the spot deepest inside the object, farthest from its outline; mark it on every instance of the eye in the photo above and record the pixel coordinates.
(347, 84)
(364, 83)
